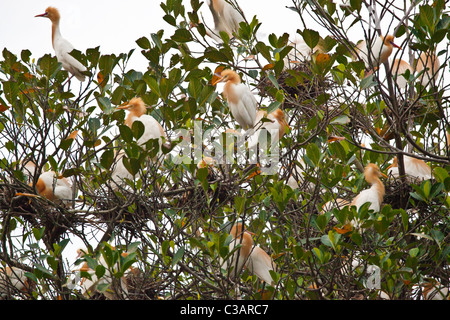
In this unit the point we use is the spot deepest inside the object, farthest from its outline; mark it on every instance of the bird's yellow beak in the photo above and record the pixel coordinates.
(286, 124)
(249, 232)
(123, 106)
(217, 77)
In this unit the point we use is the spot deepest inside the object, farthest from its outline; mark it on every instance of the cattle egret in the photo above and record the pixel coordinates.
(399, 67)
(435, 291)
(378, 53)
(429, 63)
(152, 128)
(62, 47)
(300, 52)
(226, 17)
(297, 176)
(256, 260)
(414, 169)
(375, 194)
(115, 290)
(119, 171)
(242, 103)
(277, 124)
(12, 280)
(52, 187)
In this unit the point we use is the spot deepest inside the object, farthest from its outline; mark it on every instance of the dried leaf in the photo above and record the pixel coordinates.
(268, 66)
(322, 58)
(73, 135)
(3, 108)
(101, 79)
(98, 142)
(335, 138)
(346, 229)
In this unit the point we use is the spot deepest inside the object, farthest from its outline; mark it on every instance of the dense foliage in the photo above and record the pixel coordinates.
(173, 219)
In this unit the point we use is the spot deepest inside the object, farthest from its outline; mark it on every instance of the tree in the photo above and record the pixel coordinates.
(163, 233)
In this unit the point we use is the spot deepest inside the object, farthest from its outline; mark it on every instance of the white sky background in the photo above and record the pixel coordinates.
(115, 25)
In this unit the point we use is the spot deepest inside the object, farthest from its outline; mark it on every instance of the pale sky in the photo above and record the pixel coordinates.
(115, 25)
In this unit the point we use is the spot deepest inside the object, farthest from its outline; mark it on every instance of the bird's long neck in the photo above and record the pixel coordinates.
(134, 113)
(247, 244)
(218, 5)
(229, 92)
(56, 32)
(379, 187)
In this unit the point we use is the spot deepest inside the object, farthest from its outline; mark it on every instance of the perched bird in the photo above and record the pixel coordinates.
(414, 169)
(62, 47)
(226, 17)
(428, 62)
(52, 187)
(399, 67)
(12, 280)
(378, 52)
(256, 260)
(119, 171)
(117, 289)
(297, 177)
(152, 128)
(433, 290)
(300, 52)
(277, 122)
(242, 103)
(375, 194)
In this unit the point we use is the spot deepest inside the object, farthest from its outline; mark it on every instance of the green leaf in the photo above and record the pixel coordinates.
(125, 133)
(182, 35)
(273, 106)
(138, 129)
(313, 153)
(239, 204)
(414, 252)
(38, 233)
(107, 159)
(311, 37)
(367, 82)
(178, 255)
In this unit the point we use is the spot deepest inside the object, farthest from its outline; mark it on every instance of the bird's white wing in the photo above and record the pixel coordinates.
(260, 264)
(417, 168)
(152, 129)
(368, 195)
(63, 48)
(246, 107)
(230, 18)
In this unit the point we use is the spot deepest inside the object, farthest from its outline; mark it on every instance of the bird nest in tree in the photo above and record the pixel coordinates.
(396, 190)
(142, 286)
(300, 85)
